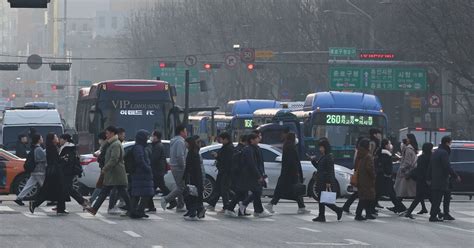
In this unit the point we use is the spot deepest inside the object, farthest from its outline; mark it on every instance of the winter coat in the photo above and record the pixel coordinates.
(420, 172)
(54, 187)
(249, 175)
(21, 150)
(114, 168)
(177, 153)
(193, 172)
(405, 186)
(224, 159)
(384, 181)
(142, 177)
(291, 172)
(40, 160)
(325, 174)
(158, 159)
(67, 159)
(440, 168)
(366, 175)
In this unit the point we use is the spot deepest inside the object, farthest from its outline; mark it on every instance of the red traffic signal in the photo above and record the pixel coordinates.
(250, 67)
(54, 87)
(13, 96)
(209, 66)
(165, 65)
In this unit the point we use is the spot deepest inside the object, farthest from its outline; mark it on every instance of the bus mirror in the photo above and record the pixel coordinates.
(278, 159)
(203, 85)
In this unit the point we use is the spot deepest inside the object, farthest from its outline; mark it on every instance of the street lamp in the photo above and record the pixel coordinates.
(371, 28)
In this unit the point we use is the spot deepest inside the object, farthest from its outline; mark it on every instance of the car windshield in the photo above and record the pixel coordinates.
(10, 134)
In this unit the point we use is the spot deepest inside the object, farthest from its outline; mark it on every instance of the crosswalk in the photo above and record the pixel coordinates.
(75, 211)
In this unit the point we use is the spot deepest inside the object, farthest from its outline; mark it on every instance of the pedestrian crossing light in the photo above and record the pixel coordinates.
(209, 66)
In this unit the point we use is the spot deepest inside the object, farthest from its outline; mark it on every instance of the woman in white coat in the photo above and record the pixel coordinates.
(405, 187)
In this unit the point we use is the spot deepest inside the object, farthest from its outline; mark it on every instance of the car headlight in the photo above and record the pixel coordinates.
(346, 176)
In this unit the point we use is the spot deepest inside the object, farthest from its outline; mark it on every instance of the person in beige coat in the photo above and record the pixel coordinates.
(405, 187)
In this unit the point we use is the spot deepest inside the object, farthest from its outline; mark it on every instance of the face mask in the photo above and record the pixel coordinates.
(390, 147)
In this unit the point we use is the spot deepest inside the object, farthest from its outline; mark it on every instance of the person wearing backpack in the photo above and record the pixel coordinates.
(69, 161)
(35, 164)
(142, 176)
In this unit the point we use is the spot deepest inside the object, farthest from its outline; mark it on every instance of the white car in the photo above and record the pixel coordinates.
(272, 157)
(272, 160)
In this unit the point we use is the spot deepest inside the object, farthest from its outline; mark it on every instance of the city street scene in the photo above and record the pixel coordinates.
(225, 123)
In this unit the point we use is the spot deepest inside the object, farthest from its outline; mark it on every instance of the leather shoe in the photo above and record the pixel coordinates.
(435, 219)
(320, 219)
(448, 217)
(370, 217)
(360, 218)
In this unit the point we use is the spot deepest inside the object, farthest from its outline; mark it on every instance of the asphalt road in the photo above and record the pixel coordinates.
(18, 228)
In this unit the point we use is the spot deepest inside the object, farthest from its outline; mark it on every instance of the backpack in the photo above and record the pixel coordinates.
(30, 163)
(129, 161)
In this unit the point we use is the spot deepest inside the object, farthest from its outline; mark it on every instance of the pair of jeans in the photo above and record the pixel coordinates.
(363, 205)
(299, 200)
(158, 182)
(177, 193)
(350, 200)
(256, 198)
(122, 191)
(32, 182)
(222, 190)
(238, 197)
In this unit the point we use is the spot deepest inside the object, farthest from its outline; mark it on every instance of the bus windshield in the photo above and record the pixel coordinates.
(133, 115)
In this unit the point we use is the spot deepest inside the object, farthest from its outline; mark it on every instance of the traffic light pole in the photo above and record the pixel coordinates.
(186, 98)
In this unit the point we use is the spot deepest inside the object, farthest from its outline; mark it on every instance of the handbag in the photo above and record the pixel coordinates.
(191, 190)
(327, 196)
(299, 189)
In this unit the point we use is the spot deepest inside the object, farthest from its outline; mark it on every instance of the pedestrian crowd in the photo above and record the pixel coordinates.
(131, 179)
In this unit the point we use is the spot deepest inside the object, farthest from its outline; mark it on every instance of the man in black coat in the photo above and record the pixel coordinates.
(439, 176)
(157, 154)
(21, 146)
(224, 166)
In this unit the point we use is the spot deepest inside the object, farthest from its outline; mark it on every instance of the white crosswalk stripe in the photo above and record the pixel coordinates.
(6, 209)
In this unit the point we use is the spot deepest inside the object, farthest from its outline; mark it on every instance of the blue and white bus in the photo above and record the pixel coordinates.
(342, 117)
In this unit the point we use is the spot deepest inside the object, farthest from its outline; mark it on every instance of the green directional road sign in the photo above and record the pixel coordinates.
(377, 78)
(342, 52)
(176, 76)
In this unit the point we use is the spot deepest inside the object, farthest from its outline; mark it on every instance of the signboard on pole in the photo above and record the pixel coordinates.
(343, 52)
(247, 55)
(377, 78)
(261, 54)
(434, 100)
(176, 76)
(231, 61)
(190, 60)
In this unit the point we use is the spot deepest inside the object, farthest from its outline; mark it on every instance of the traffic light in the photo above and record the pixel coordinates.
(209, 66)
(12, 96)
(55, 87)
(60, 66)
(9, 66)
(29, 3)
(252, 66)
(165, 64)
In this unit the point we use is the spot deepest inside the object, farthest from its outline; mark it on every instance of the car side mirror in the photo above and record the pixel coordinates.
(278, 159)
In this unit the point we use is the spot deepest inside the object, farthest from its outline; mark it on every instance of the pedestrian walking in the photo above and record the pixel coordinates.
(224, 166)
(142, 177)
(193, 179)
(54, 187)
(347, 205)
(420, 176)
(439, 178)
(256, 181)
(100, 155)
(177, 163)
(114, 172)
(364, 168)
(158, 167)
(291, 177)
(405, 187)
(326, 178)
(69, 161)
(384, 176)
(38, 157)
(239, 175)
(21, 149)
(114, 198)
(375, 149)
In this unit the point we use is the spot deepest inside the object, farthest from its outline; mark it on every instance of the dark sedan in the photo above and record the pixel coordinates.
(462, 162)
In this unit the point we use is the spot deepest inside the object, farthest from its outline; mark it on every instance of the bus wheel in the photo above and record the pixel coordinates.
(209, 189)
